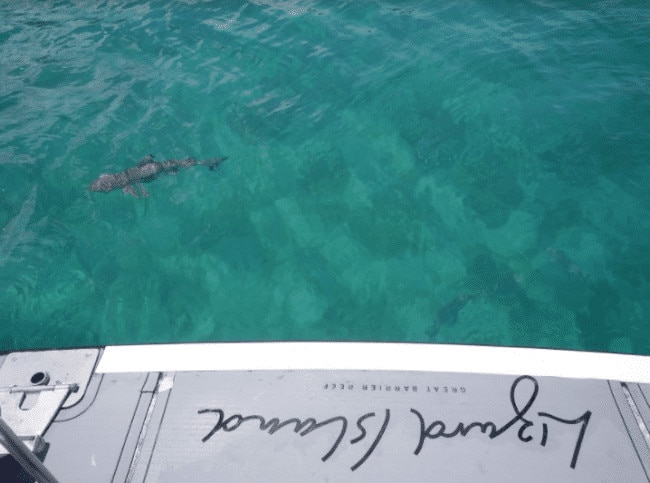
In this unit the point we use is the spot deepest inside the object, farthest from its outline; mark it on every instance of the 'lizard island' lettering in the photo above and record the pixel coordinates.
(527, 428)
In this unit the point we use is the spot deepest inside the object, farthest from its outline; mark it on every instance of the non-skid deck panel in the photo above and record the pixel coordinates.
(89, 443)
(354, 426)
(338, 424)
(370, 426)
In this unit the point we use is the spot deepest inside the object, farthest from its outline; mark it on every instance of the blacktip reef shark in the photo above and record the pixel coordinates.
(145, 171)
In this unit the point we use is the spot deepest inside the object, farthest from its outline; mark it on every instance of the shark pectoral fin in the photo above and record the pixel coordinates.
(144, 192)
(147, 159)
(130, 190)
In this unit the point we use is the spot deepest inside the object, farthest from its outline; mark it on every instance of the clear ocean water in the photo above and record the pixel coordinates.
(457, 172)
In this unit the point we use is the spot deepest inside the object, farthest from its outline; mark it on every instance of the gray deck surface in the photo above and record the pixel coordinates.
(350, 426)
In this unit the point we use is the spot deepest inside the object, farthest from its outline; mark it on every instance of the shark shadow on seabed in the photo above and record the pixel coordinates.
(15, 232)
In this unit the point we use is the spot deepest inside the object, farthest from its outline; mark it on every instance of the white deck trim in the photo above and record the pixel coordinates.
(374, 356)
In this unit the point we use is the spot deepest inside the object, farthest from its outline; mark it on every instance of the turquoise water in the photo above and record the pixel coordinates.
(468, 172)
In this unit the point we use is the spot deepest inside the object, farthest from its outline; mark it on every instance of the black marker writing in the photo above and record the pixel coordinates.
(438, 428)
(300, 427)
(363, 435)
(528, 424)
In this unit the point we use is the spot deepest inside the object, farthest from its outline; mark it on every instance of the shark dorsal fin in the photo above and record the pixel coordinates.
(146, 160)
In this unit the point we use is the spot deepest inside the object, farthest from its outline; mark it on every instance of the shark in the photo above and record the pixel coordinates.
(15, 232)
(145, 171)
